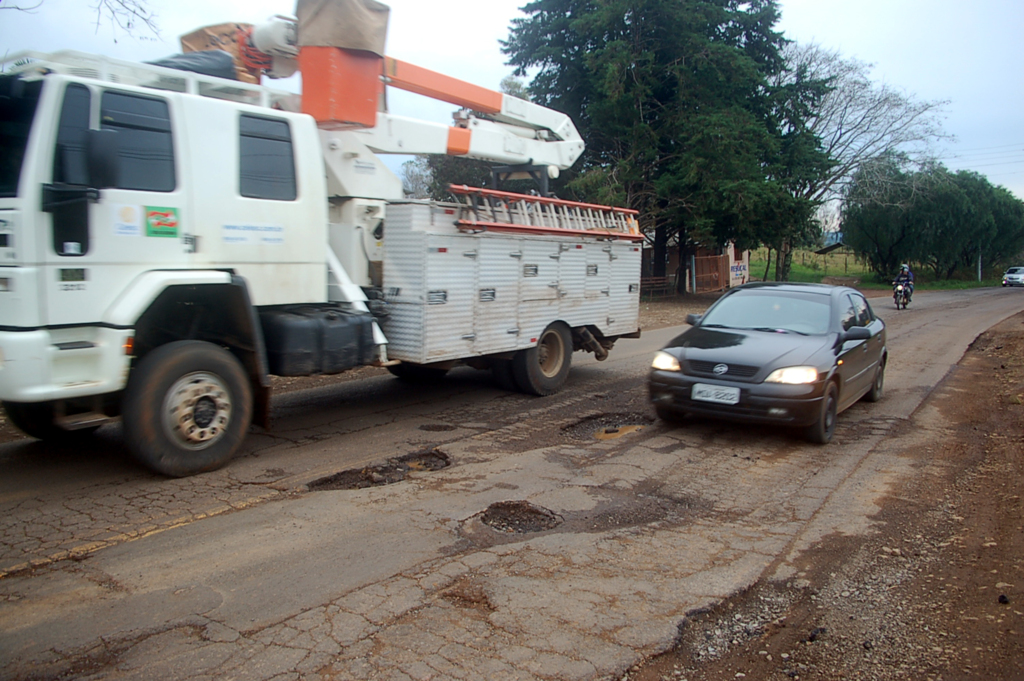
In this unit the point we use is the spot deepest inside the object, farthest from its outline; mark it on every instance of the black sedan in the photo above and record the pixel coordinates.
(777, 353)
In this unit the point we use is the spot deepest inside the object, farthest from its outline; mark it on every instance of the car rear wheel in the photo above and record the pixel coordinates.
(878, 385)
(823, 429)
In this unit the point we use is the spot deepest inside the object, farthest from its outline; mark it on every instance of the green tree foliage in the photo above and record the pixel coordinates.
(674, 100)
(875, 216)
(928, 215)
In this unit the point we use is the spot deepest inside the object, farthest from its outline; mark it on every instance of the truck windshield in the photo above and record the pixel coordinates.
(18, 100)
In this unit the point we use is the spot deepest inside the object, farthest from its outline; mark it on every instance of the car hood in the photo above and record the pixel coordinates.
(763, 349)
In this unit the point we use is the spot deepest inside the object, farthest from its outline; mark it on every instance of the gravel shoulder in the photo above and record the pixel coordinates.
(936, 591)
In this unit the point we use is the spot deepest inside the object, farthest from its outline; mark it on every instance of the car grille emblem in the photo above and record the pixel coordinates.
(721, 369)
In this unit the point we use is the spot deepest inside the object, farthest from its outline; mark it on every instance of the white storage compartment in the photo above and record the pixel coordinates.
(454, 295)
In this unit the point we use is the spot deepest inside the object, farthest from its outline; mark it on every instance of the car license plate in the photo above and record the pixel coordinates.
(715, 393)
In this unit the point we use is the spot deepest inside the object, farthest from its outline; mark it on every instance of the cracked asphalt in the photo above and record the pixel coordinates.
(109, 572)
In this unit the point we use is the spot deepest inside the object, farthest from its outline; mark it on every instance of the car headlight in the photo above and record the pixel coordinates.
(665, 362)
(793, 375)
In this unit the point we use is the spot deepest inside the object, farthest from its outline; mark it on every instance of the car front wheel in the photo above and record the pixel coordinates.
(823, 429)
(669, 415)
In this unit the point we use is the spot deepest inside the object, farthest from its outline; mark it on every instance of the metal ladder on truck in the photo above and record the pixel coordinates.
(483, 210)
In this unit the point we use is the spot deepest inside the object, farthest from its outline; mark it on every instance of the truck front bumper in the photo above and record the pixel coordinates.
(42, 365)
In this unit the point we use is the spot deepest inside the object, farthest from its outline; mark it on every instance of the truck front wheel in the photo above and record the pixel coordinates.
(542, 369)
(187, 408)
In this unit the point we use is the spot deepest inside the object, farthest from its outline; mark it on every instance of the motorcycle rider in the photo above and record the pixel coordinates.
(905, 277)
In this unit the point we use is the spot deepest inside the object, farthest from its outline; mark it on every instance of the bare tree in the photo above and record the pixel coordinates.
(130, 16)
(416, 178)
(859, 120)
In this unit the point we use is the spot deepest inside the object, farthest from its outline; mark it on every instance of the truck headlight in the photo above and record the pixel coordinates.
(665, 362)
(793, 375)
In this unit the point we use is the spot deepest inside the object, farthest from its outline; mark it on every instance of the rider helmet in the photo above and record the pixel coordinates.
(904, 267)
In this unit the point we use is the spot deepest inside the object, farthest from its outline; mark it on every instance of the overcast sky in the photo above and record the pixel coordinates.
(970, 53)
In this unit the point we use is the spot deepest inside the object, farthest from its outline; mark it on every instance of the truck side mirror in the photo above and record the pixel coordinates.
(101, 158)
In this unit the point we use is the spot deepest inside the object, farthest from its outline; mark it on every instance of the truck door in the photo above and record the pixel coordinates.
(572, 270)
(99, 240)
(496, 319)
(448, 313)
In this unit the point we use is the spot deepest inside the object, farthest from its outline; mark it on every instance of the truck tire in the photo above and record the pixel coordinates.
(501, 371)
(417, 373)
(187, 408)
(542, 369)
(36, 419)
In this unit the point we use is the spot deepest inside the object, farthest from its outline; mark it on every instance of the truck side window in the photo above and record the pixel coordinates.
(69, 160)
(266, 163)
(146, 148)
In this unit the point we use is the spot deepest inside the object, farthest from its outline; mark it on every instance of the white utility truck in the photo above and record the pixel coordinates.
(169, 240)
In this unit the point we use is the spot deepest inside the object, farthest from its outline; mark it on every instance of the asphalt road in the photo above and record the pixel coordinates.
(111, 572)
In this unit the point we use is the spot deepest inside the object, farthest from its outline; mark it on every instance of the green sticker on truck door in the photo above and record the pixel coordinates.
(161, 222)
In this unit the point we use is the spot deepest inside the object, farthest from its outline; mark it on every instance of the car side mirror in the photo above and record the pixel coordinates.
(693, 319)
(101, 158)
(856, 333)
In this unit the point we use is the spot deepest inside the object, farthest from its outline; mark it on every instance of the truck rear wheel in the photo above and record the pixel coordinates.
(187, 408)
(542, 369)
(38, 420)
(501, 370)
(417, 373)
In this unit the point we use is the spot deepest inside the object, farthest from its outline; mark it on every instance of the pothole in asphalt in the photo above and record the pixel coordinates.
(391, 471)
(519, 517)
(607, 426)
(437, 427)
(628, 509)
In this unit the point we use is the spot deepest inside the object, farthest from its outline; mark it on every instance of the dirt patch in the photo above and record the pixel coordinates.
(387, 473)
(672, 310)
(468, 592)
(936, 593)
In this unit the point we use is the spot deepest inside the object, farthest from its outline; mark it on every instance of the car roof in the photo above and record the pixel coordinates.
(793, 287)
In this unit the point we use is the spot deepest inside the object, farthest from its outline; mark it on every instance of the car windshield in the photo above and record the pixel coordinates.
(1015, 270)
(771, 310)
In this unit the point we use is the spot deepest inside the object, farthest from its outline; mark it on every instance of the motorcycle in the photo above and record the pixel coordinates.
(900, 295)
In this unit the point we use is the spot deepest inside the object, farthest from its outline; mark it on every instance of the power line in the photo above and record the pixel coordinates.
(998, 146)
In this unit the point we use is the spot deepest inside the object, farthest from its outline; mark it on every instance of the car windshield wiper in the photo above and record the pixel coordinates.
(716, 326)
(777, 329)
